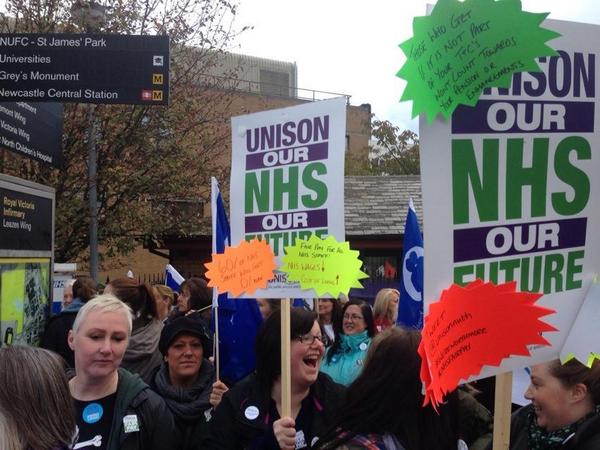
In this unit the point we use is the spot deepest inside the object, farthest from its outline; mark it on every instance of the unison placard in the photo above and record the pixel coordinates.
(511, 186)
(74, 68)
(33, 130)
(287, 180)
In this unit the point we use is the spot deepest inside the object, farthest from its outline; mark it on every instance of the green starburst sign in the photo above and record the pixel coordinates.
(464, 47)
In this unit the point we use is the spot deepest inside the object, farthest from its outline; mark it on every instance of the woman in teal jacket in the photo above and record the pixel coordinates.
(344, 359)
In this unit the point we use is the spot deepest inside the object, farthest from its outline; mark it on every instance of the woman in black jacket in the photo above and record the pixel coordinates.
(248, 416)
(565, 408)
(114, 409)
(185, 377)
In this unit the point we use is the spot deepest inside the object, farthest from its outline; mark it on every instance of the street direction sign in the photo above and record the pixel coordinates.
(33, 130)
(84, 68)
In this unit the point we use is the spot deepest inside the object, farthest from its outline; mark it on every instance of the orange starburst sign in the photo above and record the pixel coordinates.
(244, 268)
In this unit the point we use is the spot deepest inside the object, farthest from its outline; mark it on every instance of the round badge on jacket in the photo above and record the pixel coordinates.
(92, 413)
(251, 412)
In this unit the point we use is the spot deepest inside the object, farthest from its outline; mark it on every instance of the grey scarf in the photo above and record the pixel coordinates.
(187, 404)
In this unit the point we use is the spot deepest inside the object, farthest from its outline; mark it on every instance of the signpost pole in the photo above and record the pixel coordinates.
(92, 189)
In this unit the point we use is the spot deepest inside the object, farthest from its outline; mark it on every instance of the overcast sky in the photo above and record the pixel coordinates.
(351, 47)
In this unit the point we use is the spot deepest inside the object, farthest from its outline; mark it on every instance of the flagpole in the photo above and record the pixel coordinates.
(216, 343)
(213, 206)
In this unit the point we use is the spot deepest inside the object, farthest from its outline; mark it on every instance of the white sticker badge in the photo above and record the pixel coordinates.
(300, 440)
(251, 412)
(130, 423)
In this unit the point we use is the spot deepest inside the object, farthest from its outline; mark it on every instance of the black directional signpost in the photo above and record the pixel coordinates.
(33, 130)
(76, 68)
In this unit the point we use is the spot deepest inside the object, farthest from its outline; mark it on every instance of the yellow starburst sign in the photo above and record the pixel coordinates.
(325, 265)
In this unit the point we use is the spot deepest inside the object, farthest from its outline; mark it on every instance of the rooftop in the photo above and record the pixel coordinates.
(377, 205)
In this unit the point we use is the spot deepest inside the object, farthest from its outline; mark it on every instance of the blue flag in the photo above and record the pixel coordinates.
(410, 312)
(239, 319)
(173, 279)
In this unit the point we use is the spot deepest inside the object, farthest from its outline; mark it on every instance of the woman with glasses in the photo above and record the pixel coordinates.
(249, 415)
(344, 359)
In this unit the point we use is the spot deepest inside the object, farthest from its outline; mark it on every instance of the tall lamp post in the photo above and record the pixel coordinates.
(91, 16)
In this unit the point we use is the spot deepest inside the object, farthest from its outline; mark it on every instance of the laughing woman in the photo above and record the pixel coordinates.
(249, 415)
(565, 409)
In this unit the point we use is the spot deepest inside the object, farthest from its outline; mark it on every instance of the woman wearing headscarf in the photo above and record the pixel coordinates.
(185, 378)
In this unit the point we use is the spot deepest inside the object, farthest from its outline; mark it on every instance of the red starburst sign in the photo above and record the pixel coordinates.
(476, 325)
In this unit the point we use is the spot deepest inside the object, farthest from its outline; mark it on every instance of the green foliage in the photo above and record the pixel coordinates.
(393, 152)
(154, 163)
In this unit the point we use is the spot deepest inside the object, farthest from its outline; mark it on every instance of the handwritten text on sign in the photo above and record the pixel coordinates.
(463, 47)
(477, 325)
(241, 269)
(324, 265)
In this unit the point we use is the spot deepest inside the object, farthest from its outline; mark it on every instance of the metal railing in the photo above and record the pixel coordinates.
(272, 89)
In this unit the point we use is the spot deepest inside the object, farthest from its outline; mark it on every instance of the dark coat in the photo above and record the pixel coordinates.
(56, 334)
(230, 429)
(587, 436)
(188, 406)
(156, 425)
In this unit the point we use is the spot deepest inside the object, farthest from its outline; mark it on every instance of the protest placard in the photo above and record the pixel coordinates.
(287, 180)
(244, 268)
(465, 46)
(325, 265)
(510, 188)
(466, 329)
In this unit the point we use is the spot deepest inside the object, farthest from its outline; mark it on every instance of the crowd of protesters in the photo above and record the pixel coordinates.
(132, 369)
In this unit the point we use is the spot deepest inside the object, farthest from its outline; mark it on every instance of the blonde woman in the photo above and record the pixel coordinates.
(36, 411)
(165, 298)
(385, 308)
(114, 409)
